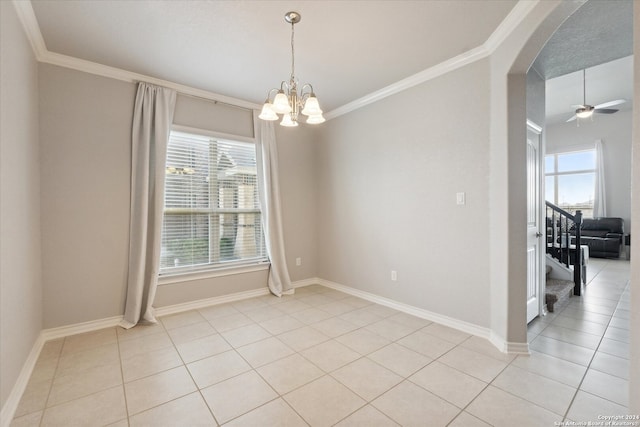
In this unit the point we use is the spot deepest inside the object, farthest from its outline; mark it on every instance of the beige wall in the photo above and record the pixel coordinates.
(20, 264)
(85, 129)
(388, 175)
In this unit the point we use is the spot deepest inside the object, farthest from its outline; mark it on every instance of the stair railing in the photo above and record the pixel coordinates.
(563, 241)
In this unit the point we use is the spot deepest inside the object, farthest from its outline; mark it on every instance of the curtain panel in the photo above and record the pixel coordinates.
(152, 118)
(279, 281)
(599, 199)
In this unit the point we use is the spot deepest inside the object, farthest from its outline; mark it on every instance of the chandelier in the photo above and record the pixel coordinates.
(287, 101)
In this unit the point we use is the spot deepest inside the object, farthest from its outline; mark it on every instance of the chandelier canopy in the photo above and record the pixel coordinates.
(287, 101)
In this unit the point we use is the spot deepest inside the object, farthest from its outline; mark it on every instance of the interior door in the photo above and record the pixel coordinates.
(535, 284)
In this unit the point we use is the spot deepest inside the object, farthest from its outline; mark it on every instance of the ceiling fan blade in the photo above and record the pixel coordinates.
(605, 110)
(610, 104)
(572, 118)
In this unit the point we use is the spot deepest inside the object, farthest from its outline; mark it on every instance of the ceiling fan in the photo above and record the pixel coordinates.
(585, 110)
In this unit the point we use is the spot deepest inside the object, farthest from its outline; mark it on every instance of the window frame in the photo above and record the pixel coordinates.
(555, 174)
(189, 273)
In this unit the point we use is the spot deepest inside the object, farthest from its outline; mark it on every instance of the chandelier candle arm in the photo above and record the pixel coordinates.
(287, 100)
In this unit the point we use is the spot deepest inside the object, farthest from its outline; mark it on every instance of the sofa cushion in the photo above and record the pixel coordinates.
(609, 224)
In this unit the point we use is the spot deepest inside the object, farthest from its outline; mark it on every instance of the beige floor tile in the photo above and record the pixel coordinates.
(282, 324)
(263, 352)
(483, 346)
(446, 333)
(81, 360)
(216, 311)
(562, 350)
(293, 306)
(390, 330)
(89, 340)
(183, 334)
(499, 408)
(356, 302)
(410, 405)
(86, 382)
(315, 300)
(230, 322)
(324, 402)
(409, 320)
(189, 410)
(181, 319)
(248, 304)
(587, 407)
(237, 396)
(144, 344)
(610, 364)
(367, 416)
(261, 314)
(586, 315)
(473, 363)
(145, 364)
(139, 331)
(381, 310)
(467, 420)
(34, 397)
(450, 384)
(614, 347)
(337, 308)
(400, 359)
(217, 368)
(311, 315)
(542, 391)
(290, 373)
(551, 367)
(333, 294)
(426, 344)
(157, 389)
(618, 334)
(619, 323)
(29, 420)
(580, 325)
(606, 386)
(366, 378)
(303, 338)
(203, 347)
(44, 369)
(334, 327)
(361, 317)
(245, 335)
(274, 413)
(363, 341)
(108, 406)
(572, 336)
(330, 355)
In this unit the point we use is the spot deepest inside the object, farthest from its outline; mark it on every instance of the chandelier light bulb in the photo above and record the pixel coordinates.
(281, 103)
(287, 121)
(267, 112)
(316, 119)
(311, 106)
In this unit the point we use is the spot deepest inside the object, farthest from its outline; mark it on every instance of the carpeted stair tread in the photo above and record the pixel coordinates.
(557, 292)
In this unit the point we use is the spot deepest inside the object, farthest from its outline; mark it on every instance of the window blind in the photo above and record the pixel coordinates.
(212, 213)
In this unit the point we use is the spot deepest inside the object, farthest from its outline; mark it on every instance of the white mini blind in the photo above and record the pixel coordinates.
(212, 212)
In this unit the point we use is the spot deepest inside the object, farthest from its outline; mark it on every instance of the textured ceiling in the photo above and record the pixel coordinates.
(598, 37)
(346, 49)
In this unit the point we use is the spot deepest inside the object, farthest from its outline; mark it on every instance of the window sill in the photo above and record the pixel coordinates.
(170, 279)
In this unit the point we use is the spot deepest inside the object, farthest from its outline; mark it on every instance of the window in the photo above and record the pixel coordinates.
(570, 180)
(211, 211)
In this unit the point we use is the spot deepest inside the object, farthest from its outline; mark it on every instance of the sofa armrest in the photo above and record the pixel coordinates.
(615, 235)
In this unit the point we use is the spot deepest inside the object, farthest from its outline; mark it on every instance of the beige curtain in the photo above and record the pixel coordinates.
(279, 280)
(600, 194)
(152, 118)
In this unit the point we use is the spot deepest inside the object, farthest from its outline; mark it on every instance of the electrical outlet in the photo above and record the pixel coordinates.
(298, 261)
(394, 275)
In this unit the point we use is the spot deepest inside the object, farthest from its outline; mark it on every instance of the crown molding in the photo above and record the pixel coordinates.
(28, 19)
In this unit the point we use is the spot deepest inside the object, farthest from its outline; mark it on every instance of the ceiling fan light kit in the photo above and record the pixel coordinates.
(287, 101)
(585, 110)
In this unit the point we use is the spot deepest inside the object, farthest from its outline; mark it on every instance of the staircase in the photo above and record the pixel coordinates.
(565, 271)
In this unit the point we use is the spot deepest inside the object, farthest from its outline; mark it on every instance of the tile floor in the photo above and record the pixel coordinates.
(325, 358)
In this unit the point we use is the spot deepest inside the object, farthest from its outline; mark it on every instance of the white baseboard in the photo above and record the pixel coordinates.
(509, 347)
(206, 302)
(10, 406)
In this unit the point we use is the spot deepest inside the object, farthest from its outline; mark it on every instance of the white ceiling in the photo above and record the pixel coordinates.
(346, 49)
